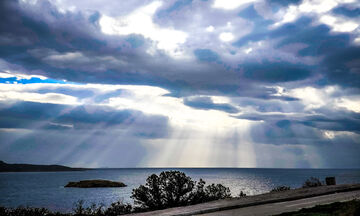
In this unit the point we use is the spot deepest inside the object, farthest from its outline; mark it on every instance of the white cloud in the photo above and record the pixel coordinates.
(338, 24)
(314, 98)
(66, 57)
(19, 76)
(226, 36)
(248, 50)
(37, 97)
(317, 6)
(350, 103)
(210, 28)
(357, 40)
(322, 10)
(329, 134)
(140, 22)
(231, 4)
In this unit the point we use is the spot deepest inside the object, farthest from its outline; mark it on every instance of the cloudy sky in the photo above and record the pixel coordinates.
(186, 83)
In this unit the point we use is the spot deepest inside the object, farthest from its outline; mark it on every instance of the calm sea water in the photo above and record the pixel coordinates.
(46, 189)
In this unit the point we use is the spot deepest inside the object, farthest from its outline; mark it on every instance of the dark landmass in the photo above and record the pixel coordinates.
(95, 183)
(5, 167)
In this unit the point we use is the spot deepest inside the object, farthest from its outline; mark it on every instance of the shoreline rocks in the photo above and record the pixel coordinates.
(95, 183)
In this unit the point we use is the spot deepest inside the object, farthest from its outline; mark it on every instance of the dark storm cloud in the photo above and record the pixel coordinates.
(29, 115)
(343, 67)
(59, 49)
(349, 12)
(300, 129)
(285, 2)
(334, 120)
(206, 55)
(274, 72)
(317, 37)
(63, 51)
(206, 103)
(54, 45)
(340, 57)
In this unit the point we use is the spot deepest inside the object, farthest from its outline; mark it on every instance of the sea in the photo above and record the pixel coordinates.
(46, 189)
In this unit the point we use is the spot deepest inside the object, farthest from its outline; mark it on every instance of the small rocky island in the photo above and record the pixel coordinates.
(95, 183)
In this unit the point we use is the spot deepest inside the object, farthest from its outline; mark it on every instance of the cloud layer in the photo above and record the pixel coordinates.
(180, 83)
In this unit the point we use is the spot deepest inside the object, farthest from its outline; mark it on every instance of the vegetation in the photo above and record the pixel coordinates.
(174, 188)
(335, 209)
(242, 194)
(280, 188)
(118, 208)
(25, 211)
(312, 182)
(95, 183)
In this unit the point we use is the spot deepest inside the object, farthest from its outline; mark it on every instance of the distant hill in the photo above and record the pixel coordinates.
(5, 167)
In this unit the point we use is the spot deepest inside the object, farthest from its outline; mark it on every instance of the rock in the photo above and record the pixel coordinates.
(95, 183)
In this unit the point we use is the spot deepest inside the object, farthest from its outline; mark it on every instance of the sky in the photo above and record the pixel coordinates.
(180, 83)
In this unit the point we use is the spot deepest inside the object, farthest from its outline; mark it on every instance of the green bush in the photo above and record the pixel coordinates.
(169, 189)
(216, 192)
(280, 188)
(242, 194)
(91, 210)
(174, 188)
(312, 182)
(118, 208)
(24, 211)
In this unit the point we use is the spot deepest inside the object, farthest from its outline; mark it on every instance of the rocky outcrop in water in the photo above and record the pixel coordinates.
(95, 183)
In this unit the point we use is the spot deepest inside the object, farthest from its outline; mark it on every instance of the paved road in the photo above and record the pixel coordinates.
(281, 207)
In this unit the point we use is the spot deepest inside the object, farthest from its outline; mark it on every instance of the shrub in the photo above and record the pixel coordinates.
(23, 211)
(242, 194)
(92, 210)
(280, 188)
(216, 192)
(174, 188)
(118, 208)
(169, 189)
(198, 195)
(312, 182)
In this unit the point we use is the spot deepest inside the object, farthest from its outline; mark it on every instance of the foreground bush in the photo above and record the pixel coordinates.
(242, 194)
(28, 211)
(118, 208)
(280, 188)
(174, 188)
(81, 210)
(312, 182)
